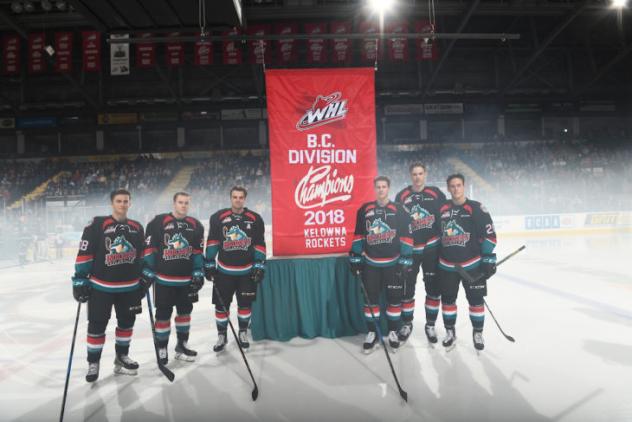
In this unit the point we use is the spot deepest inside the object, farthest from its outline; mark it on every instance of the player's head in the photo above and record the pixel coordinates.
(381, 185)
(417, 174)
(456, 186)
(181, 202)
(238, 197)
(121, 200)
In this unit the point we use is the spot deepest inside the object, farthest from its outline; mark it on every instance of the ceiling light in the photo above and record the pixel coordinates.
(47, 6)
(28, 6)
(16, 7)
(619, 4)
(380, 6)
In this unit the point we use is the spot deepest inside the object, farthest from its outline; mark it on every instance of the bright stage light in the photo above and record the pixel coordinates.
(619, 4)
(381, 5)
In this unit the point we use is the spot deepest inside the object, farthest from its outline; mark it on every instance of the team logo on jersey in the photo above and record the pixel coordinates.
(379, 232)
(422, 219)
(121, 251)
(454, 235)
(235, 239)
(177, 247)
(326, 109)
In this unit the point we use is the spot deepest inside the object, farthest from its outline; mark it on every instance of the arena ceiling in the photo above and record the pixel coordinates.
(566, 51)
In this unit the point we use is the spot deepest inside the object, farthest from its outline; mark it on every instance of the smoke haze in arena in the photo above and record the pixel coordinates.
(512, 178)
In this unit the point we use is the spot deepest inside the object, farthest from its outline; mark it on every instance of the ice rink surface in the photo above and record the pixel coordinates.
(566, 300)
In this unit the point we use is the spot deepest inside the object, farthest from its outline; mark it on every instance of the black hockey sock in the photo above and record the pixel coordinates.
(183, 325)
(393, 316)
(123, 339)
(368, 316)
(95, 346)
(449, 314)
(163, 330)
(477, 316)
(408, 310)
(221, 320)
(432, 309)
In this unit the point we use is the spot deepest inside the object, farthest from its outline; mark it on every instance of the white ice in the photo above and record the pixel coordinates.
(566, 300)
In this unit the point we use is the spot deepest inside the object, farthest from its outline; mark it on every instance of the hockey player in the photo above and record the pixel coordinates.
(235, 261)
(381, 256)
(173, 259)
(468, 238)
(422, 204)
(107, 272)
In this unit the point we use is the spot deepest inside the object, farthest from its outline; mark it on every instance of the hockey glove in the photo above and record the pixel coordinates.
(258, 271)
(355, 264)
(197, 281)
(404, 267)
(210, 271)
(80, 289)
(146, 280)
(488, 265)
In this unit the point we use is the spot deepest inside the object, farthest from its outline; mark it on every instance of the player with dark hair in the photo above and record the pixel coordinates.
(381, 256)
(468, 239)
(107, 271)
(173, 259)
(422, 204)
(235, 261)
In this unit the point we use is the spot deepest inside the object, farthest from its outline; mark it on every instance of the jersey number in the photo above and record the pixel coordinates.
(83, 245)
(489, 228)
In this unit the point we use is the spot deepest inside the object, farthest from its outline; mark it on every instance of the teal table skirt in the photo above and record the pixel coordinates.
(307, 298)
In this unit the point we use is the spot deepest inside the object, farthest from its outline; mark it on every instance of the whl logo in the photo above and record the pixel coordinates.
(326, 109)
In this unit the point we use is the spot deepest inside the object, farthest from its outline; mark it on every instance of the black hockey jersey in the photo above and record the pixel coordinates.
(382, 234)
(235, 241)
(467, 233)
(173, 249)
(423, 209)
(110, 254)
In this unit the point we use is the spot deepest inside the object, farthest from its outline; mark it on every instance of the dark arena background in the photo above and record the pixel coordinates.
(530, 100)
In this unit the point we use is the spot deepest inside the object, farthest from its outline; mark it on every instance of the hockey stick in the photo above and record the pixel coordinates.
(255, 391)
(72, 352)
(402, 393)
(467, 277)
(166, 372)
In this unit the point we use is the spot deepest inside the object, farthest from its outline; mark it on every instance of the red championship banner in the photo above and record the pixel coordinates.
(175, 52)
(11, 54)
(316, 47)
(145, 52)
(371, 47)
(203, 53)
(286, 48)
(397, 47)
(231, 50)
(36, 60)
(425, 50)
(322, 155)
(259, 49)
(91, 51)
(63, 52)
(341, 47)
